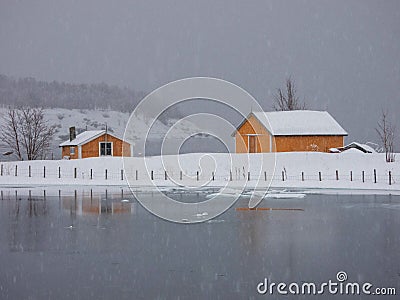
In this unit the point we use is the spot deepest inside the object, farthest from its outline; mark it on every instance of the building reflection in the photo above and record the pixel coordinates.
(23, 209)
(89, 203)
(31, 216)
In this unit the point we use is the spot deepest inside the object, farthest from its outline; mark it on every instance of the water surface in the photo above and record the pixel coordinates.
(88, 244)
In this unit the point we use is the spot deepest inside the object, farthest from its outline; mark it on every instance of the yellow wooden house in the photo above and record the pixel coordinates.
(287, 131)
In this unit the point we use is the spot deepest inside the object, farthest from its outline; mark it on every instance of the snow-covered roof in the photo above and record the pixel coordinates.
(361, 147)
(352, 150)
(299, 122)
(84, 138)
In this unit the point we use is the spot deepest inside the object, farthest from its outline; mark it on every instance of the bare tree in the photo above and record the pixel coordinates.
(287, 100)
(10, 133)
(27, 133)
(386, 131)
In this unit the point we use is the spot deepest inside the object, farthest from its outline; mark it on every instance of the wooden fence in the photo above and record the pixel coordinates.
(370, 176)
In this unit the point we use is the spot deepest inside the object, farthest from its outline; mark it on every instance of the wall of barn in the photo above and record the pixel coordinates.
(308, 143)
(252, 126)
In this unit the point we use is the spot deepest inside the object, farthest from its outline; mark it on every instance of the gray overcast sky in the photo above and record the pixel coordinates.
(343, 55)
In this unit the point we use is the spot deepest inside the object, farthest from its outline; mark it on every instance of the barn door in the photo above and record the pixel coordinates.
(252, 144)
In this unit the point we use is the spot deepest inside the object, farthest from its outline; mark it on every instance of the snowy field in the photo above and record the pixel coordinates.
(303, 170)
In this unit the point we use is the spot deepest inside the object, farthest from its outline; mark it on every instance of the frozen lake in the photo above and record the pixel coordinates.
(88, 244)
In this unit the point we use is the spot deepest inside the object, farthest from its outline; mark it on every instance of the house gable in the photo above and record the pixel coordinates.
(249, 128)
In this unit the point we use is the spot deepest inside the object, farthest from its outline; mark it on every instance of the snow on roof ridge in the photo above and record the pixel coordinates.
(83, 138)
(292, 111)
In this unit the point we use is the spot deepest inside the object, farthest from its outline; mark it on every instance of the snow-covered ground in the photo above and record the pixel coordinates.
(303, 170)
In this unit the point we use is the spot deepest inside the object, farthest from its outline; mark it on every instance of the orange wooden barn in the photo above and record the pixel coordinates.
(94, 143)
(286, 131)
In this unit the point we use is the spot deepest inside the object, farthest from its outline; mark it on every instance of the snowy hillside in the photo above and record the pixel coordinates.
(84, 119)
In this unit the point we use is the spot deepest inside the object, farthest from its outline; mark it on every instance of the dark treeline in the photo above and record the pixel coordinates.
(30, 92)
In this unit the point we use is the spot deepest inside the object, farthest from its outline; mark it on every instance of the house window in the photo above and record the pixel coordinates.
(71, 150)
(105, 148)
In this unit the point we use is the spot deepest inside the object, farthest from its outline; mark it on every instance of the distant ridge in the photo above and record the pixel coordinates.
(31, 92)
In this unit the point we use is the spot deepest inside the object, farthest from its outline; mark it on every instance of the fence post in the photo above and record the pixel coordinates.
(137, 174)
(91, 173)
(351, 175)
(302, 176)
(122, 174)
(230, 175)
(363, 176)
(165, 175)
(180, 175)
(16, 170)
(283, 176)
(337, 174)
(197, 175)
(59, 172)
(1, 169)
(74, 172)
(44, 171)
(212, 176)
(390, 177)
(30, 173)
(248, 176)
(374, 175)
(152, 175)
(265, 176)
(106, 174)
(320, 176)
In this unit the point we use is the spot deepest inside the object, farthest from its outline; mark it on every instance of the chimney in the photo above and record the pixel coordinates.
(72, 133)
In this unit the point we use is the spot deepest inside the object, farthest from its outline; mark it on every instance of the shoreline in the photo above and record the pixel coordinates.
(292, 170)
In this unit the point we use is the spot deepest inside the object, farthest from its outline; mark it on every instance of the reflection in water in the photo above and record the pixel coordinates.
(23, 213)
(100, 243)
(33, 212)
(87, 202)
